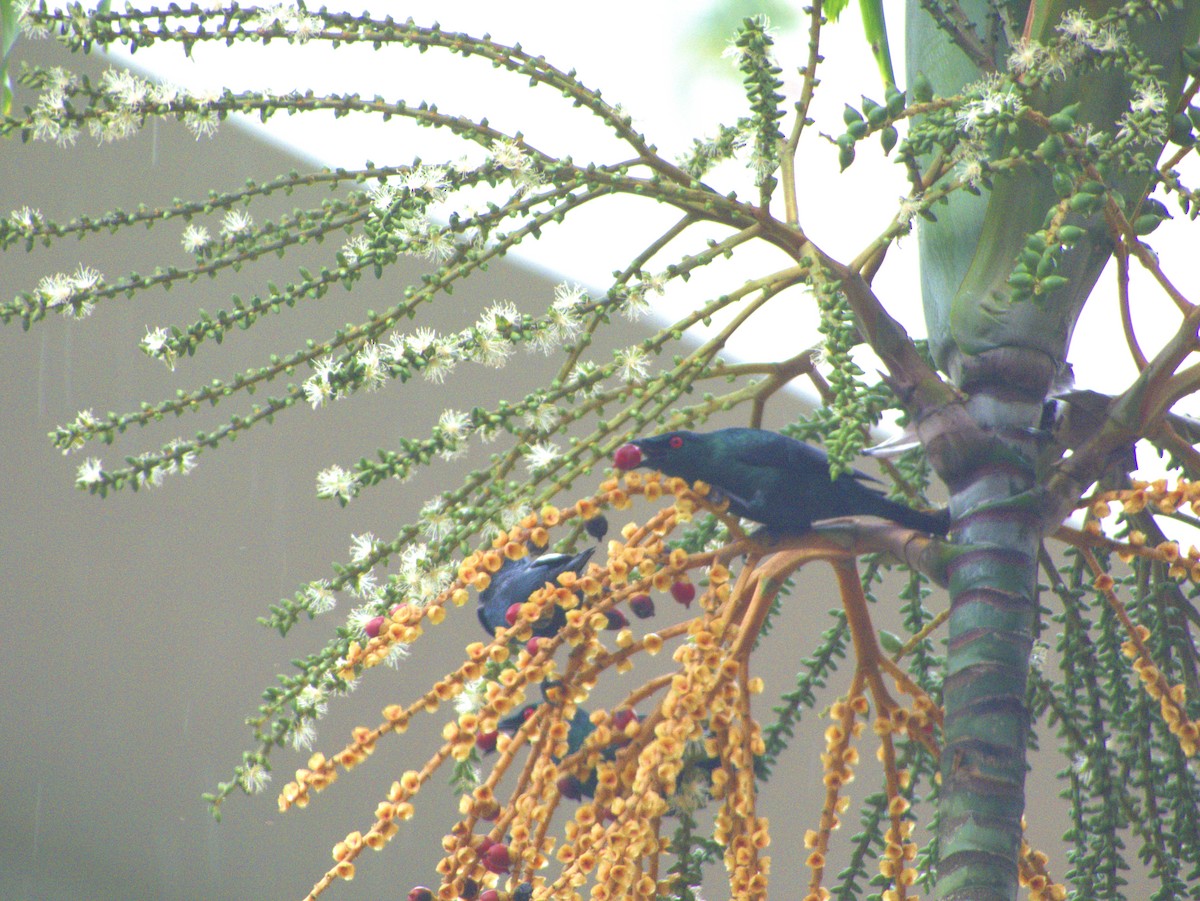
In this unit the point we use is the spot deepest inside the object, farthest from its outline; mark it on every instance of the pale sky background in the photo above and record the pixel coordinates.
(626, 50)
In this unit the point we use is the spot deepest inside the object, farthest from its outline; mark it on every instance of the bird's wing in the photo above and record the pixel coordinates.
(790, 456)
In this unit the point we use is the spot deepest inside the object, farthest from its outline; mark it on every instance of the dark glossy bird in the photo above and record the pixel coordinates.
(517, 580)
(771, 479)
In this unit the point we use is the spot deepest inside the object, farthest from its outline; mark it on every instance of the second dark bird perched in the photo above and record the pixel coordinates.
(517, 580)
(771, 479)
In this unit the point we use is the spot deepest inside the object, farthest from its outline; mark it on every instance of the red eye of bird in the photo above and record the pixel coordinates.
(676, 442)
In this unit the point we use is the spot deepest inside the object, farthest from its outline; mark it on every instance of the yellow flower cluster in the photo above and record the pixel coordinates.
(1170, 697)
(1031, 866)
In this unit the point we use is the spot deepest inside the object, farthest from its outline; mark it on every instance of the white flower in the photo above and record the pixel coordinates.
(436, 244)
(186, 462)
(370, 358)
(26, 219)
(236, 224)
(429, 180)
(499, 316)
(326, 367)
(543, 417)
(471, 698)
(56, 289)
(540, 455)
(1105, 40)
(337, 482)
(202, 123)
(513, 514)
(634, 303)
(382, 197)
(166, 93)
(312, 702)
(970, 170)
(114, 125)
(1076, 25)
(203, 97)
(421, 340)
(319, 598)
(355, 249)
(507, 154)
(85, 278)
(907, 212)
(362, 546)
(255, 778)
(125, 88)
(302, 734)
(317, 391)
(1149, 98)
(358, 618)
(155, 345)
(440, 364)
(436, 519)
(396, 654)
(366, 586)
(195, 238)
(632, 363)
(490, 349)
(90, 472)
(306, 27)
(568, 297)
(1026, 56)
(455, 424)
(29, 28)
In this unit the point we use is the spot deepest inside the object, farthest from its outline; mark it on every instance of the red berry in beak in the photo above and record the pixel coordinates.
(627, 456)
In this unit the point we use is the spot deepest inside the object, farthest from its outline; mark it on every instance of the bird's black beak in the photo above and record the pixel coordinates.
(628, 456)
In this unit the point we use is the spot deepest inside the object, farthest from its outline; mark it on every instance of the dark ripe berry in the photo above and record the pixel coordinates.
(627, 456)
(616, 620)
(420, 893)
(570, 787)
(490, 895)
(597, 526)
(398, 609)
(511, 614)
(642, 606)
(533, 646)
(470, 890)
(624, 717)
(684, 593)
(496, 858)
(523, 892)
(486, 741)
(374, 624)
(484, 843)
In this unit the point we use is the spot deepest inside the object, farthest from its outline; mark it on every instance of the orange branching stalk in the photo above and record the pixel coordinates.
(1170, 697)
(697, 741)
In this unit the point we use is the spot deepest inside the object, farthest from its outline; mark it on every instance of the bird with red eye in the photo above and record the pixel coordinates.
(771, 479)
